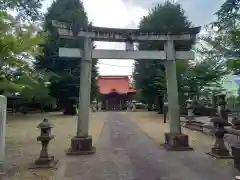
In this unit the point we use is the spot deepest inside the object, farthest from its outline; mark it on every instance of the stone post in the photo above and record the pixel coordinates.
(82, 143)
(174, 140)
(3, 112)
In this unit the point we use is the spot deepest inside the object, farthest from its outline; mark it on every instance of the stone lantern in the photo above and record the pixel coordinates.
(165, 111)
(44, 159)
(94, 106)
(134, 105)
(190, 115)
(219, 149)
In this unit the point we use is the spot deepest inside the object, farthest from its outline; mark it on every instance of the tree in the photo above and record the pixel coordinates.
(65, 86)
(224, 34)
(26, 9)
(18, 44)
(194, 77)
(150, 74)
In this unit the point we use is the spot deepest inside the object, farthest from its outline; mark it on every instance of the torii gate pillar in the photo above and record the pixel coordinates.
(81, 144)
(174, 139)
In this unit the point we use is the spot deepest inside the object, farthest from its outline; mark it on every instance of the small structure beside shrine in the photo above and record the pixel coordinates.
(115, 92)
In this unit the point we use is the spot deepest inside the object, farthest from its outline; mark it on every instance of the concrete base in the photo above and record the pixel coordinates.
(81, 146)
(44, 163)
(176, 142)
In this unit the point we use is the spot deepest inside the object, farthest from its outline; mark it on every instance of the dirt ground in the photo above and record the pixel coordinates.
(152, 124)
(22, 147)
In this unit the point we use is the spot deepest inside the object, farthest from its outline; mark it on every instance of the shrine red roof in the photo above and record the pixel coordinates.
(117, 84)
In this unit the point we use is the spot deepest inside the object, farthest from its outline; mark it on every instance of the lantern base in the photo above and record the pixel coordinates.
(44, 163)
(81, 146)
(220, 153)
(176, 142)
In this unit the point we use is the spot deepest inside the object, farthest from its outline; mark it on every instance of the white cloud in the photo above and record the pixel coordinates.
(113, 13)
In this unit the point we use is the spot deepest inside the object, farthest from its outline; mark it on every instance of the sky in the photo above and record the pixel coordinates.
(127, 14)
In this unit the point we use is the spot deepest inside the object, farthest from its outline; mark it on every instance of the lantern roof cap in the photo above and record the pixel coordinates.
(45, 124)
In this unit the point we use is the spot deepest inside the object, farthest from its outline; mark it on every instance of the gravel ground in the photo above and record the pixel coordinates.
(22, 147)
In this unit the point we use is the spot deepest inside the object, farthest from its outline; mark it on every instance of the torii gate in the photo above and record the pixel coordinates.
(174, 46)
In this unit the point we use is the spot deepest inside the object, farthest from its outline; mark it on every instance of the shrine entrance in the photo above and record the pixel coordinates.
(173, 46)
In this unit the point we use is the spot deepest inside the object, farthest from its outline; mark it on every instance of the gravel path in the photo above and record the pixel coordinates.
(124, 152)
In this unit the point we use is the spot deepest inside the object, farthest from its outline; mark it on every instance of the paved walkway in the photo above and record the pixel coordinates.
(124, 152)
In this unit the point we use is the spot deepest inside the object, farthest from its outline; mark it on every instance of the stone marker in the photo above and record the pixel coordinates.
(3, 112)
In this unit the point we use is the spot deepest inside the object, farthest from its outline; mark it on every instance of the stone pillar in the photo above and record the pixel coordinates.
(3, 112)
(83, 140)
(174, 140)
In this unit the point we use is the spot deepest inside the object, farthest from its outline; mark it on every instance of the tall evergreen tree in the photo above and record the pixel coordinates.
(150, 74)
(65, 86)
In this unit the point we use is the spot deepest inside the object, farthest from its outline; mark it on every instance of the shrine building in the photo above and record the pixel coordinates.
(115, 92)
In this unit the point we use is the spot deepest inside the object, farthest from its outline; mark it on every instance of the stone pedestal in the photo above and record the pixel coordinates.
(81, 145)
(44, 160)
(176, 142)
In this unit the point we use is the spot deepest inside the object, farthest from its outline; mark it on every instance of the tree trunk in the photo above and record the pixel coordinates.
(160, 104)
(70, 109)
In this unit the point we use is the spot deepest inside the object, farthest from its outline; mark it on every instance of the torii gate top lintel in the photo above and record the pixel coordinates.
(185, 36)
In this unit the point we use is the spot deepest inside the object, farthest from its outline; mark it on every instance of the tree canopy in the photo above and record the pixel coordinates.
(194, 77)
(65, 86)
